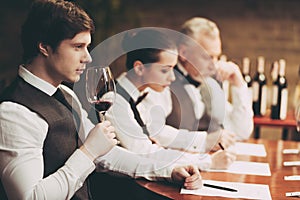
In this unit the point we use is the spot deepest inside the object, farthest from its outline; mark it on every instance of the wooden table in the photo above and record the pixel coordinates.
(286, 124)
(278, 186)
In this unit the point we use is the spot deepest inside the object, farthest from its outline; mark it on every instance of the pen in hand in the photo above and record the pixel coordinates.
(219, 187)
(221, 146)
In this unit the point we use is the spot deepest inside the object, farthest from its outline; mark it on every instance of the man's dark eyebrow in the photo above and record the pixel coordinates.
(170, 66)
(81, 44)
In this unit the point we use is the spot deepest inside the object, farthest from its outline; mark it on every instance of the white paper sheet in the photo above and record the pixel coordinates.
(243, 148)
(245, 190)
(290, 151)
(291, 163)
(245, 167)
(292, 178)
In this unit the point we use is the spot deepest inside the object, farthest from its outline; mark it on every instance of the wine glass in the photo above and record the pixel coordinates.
(297, 117)
(100, 90)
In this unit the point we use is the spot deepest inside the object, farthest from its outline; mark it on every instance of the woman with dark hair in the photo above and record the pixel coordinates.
(151, 57)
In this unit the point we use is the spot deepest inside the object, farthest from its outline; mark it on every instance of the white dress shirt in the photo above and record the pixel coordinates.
(238, 115)
(166, 140)
(22, 134)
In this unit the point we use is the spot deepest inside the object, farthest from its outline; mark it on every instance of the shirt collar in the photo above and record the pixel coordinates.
(129, 86)
(182, 69)
(36, 81)
(186, 76)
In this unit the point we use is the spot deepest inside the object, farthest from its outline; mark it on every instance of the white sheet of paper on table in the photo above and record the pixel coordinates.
(245, 167)
(292, 178)
(291, 163)
(290, 151)
(244, 190)
(250, 149)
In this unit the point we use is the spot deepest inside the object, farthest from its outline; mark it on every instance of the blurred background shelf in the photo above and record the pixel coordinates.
(287, 125)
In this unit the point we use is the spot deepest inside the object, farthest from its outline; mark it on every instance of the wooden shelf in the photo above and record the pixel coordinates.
(286, 124)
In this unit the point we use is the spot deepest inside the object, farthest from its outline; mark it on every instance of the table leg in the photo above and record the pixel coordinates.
(256, 132)
(285, 133)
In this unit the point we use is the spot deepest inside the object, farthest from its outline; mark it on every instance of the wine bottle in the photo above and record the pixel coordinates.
(259, 86)
(297, 91)
(280, 93)
(274, 90)
(246, 74)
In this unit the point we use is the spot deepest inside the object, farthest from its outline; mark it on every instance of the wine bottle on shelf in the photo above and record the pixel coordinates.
(274, 89)
(246, 74)
(280, 94)
(297, 91)
(259, 86)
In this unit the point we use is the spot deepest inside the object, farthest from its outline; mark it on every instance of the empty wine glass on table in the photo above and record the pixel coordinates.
(100, 90)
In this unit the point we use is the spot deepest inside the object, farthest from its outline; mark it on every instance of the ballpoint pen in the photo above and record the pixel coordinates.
(221, 146)
(219, 187)
(292, 194)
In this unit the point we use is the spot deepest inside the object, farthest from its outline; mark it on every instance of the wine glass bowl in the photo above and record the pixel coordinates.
(100, 89)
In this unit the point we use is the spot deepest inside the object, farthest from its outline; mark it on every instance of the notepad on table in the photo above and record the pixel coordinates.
(245, 167)
(244, 190)
(292, 178)
(250, 149)
(290, 151)
(291, 163)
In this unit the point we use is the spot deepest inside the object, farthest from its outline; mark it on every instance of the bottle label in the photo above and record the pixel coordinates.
(263, 103)
(296, 100)
(283, 104)
(274, 95)
(255, 87)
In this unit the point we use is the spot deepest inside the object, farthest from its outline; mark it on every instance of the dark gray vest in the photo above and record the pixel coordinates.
(61, 140)
(183, 115)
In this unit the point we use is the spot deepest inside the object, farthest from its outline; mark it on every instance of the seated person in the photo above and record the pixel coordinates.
(44, 152)
(150, 59)
(210, 110)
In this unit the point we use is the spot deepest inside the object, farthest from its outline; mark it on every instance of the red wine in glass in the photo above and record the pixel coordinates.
(102, 105)
(100, 90)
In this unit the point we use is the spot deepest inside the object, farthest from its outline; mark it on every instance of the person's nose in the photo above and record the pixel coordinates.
(87, 57)
(172, 76)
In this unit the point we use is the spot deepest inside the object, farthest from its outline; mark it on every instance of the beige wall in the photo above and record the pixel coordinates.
(248, 28)
(270, 28)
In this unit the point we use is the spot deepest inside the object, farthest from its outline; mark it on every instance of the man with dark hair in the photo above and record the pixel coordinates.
(48, 147)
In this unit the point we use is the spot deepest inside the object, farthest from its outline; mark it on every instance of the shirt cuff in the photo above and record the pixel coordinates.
(79, 164)
(168, 173)
(240, 94)
(204, 162)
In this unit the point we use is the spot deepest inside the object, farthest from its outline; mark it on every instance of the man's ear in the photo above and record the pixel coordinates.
(182, 51)
(138, 67)
(44, 49)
